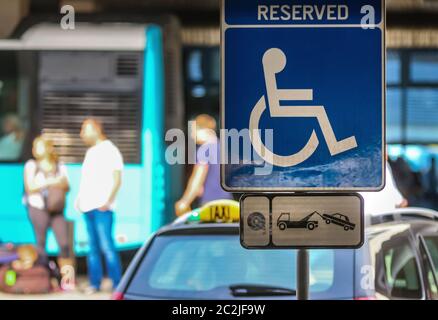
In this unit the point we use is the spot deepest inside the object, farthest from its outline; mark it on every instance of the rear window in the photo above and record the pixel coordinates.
(206, 266)
(432, 248)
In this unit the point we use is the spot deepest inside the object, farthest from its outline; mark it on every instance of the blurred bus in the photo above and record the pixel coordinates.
(126, 75)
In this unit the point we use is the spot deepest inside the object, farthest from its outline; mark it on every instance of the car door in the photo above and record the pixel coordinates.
(428, 246)
(427, 236)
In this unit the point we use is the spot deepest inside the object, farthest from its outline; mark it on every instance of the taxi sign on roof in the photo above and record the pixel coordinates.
(222, 211)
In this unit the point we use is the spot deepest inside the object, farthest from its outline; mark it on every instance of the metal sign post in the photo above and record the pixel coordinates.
(303, 274)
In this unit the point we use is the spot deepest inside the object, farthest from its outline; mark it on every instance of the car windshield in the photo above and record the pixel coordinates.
(201, 266)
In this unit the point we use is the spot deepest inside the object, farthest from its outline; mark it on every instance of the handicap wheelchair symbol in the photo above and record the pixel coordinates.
(274, 62)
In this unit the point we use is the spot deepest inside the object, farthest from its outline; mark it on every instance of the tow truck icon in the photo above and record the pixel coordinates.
(284, 221)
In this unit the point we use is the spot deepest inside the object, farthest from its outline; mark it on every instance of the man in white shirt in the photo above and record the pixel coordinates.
(100, 182)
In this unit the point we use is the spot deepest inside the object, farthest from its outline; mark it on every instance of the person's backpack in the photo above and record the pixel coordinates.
(35, 280)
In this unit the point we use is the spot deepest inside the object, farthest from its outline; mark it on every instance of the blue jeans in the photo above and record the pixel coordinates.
(99, 228)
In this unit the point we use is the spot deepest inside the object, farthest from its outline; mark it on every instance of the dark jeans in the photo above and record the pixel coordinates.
(41, 221)
(99, 228)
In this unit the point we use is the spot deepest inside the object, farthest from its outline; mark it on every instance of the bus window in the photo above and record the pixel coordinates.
(202, 80)
(13, 107)
(106, 85)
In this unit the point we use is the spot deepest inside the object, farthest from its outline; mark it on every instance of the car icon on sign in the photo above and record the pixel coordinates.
(340, 220)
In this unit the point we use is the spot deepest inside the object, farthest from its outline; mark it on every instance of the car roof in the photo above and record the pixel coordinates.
(182, 226)
(404, 214)
(197, 227)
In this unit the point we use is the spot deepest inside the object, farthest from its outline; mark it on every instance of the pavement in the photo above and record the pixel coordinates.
(76, 294)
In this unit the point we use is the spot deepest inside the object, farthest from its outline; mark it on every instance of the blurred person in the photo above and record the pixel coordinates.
(100, 182)
(386, 200)
(46, 185)
(204, 181)
(407, 181)
(11, 141)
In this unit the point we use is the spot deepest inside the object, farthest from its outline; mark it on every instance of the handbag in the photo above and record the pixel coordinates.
(55, 200)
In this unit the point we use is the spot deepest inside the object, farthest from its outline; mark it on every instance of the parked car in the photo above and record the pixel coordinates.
(194, 259)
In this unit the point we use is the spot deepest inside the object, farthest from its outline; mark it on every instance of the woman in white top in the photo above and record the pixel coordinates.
(40, 174)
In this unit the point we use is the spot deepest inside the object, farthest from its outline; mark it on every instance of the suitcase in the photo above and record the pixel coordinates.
(35, 280)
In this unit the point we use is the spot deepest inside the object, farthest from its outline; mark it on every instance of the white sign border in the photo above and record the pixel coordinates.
(271, 197)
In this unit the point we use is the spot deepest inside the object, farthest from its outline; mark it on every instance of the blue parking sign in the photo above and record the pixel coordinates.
(303, 83)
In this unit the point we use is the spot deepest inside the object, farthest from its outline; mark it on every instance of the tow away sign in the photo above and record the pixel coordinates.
(301, 221)
(303, 85)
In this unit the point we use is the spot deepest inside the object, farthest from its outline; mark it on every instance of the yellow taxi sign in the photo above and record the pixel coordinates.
(223, 211)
